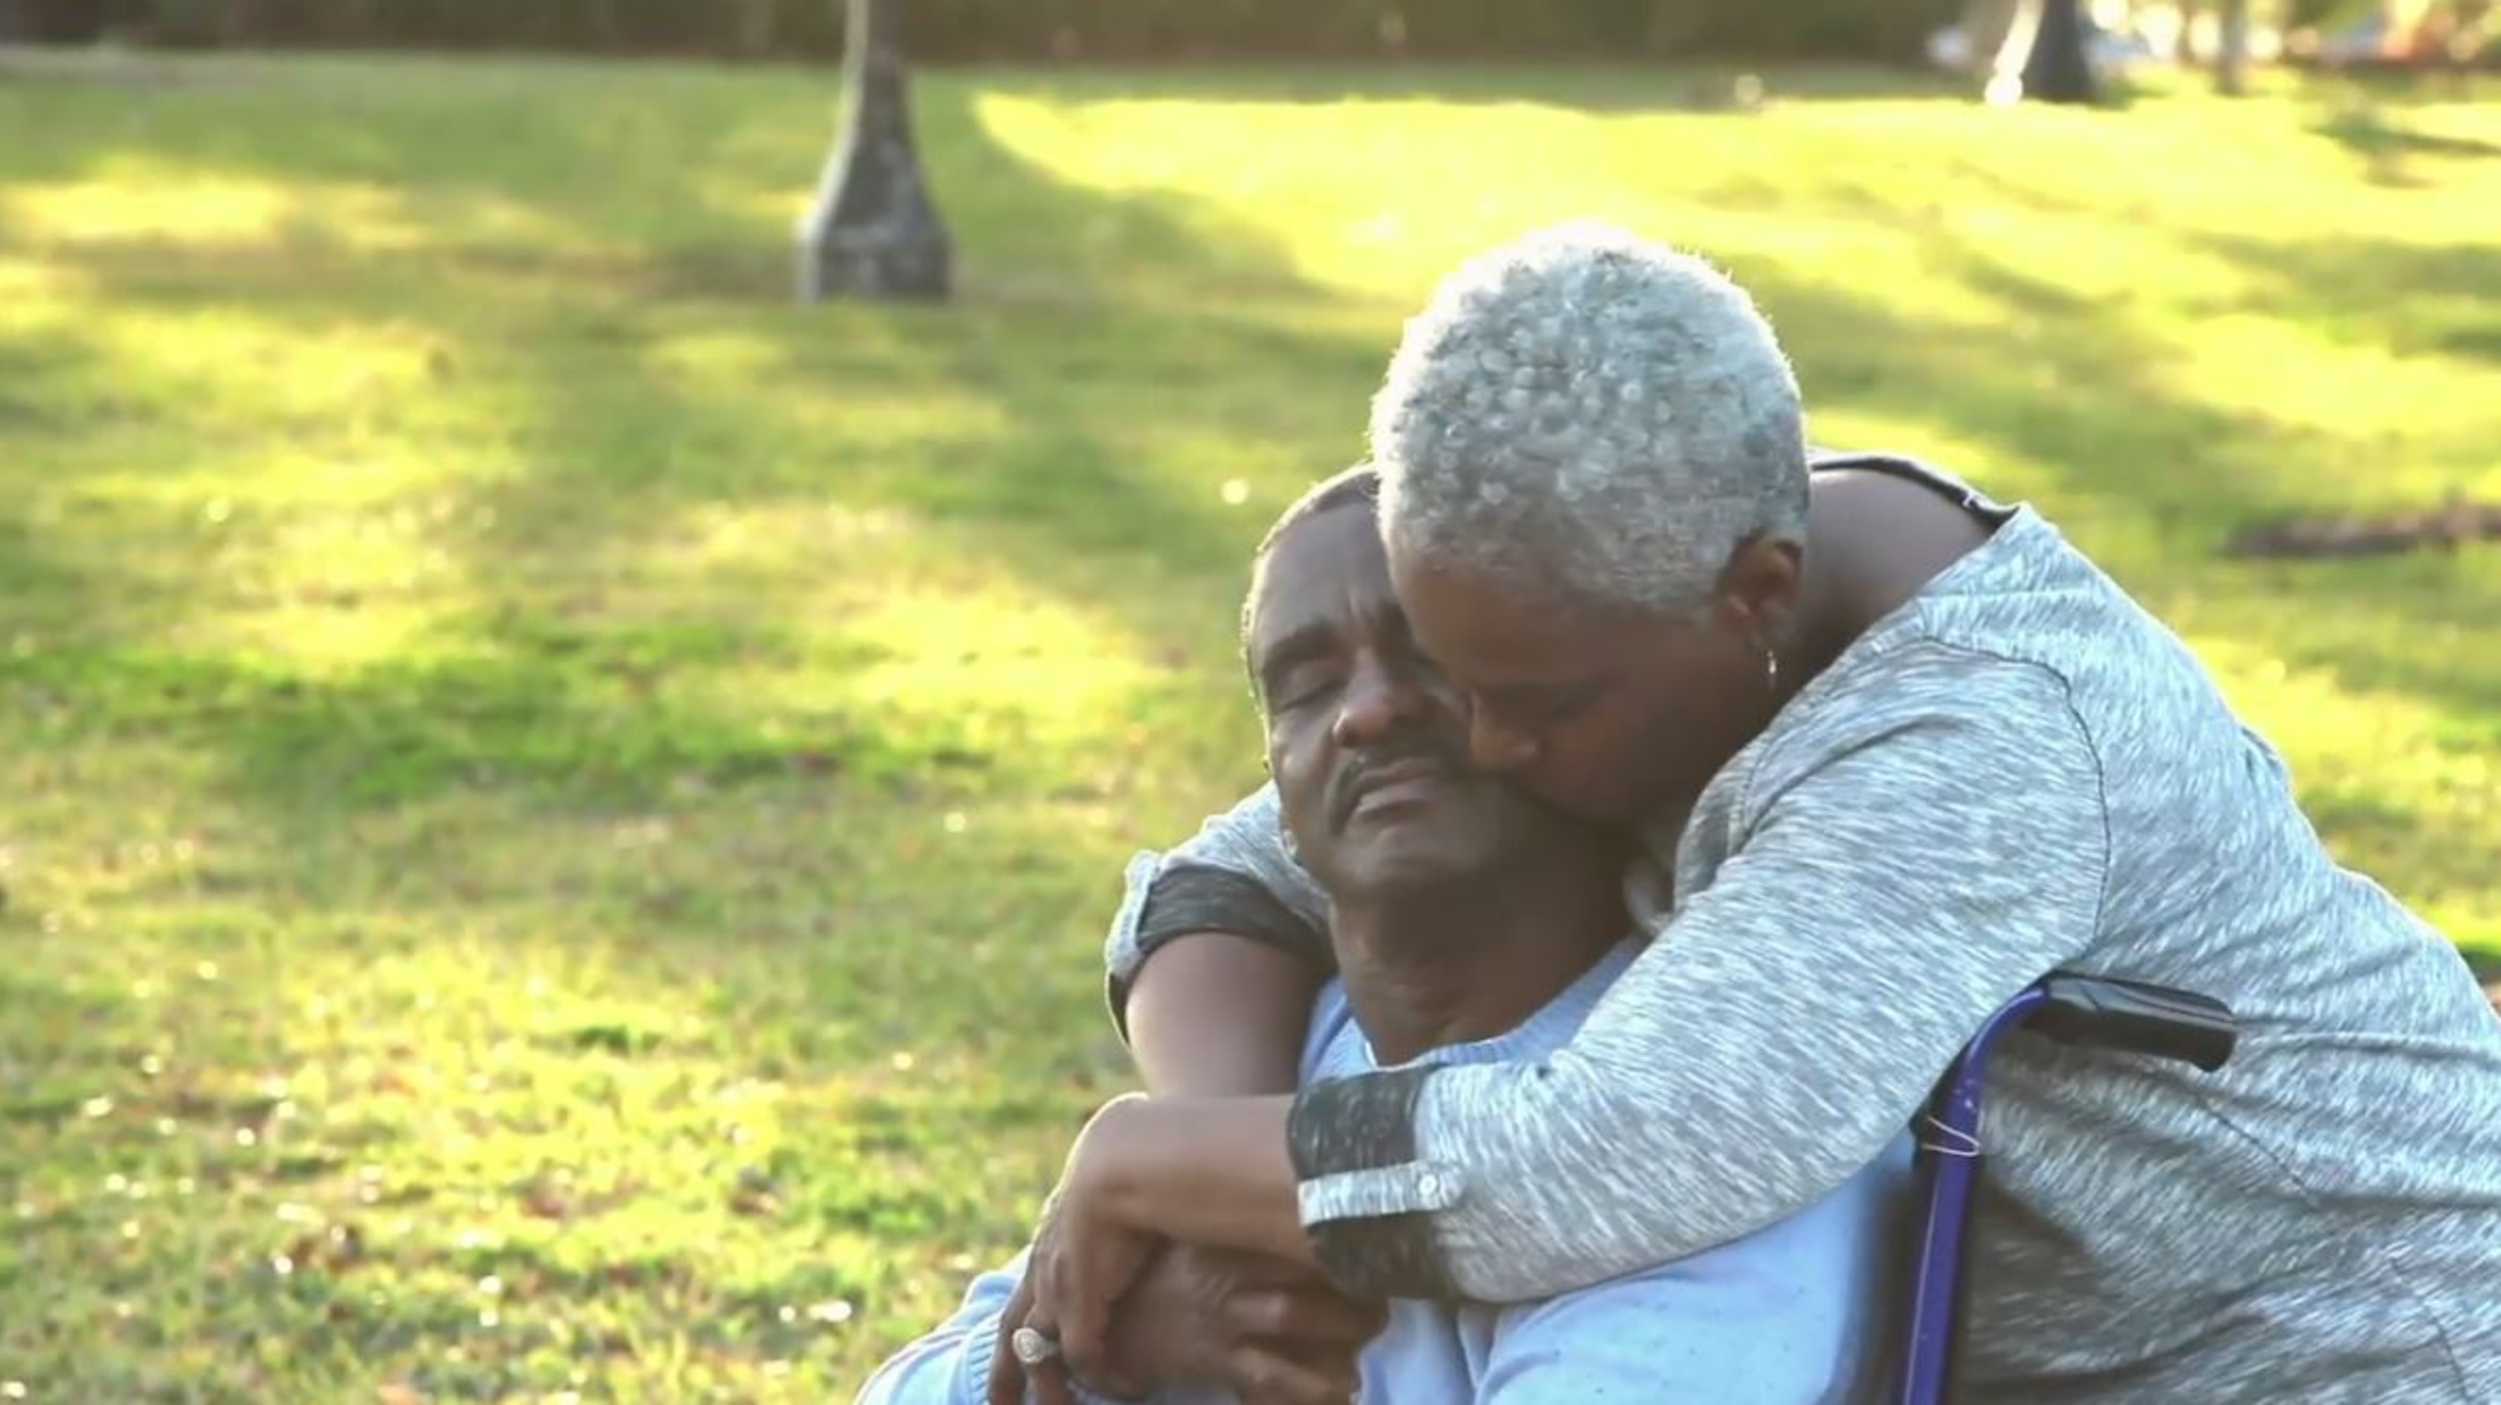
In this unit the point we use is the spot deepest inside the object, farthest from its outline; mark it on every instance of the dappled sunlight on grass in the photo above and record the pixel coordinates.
(290, 388)
(1002, 671)
(150, 205)
(719, 358)
(327, 593)
(464, 1147)
(34, 292)
(562, 807)
(2158, 233)
(650, 1060)
(135, 202)
(2393, 785)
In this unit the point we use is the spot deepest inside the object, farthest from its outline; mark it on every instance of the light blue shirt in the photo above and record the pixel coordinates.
(1794, 1313)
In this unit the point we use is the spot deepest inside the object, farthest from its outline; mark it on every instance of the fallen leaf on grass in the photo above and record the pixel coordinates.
(541, 1203)
(337, 1249)
(755, 1194)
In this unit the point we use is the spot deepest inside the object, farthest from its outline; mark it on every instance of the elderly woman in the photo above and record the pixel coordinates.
(1896, 751)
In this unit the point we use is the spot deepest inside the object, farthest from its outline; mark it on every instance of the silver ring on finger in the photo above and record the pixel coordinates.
(1033, 1346)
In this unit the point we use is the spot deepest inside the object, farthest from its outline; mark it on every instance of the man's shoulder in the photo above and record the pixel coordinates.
(1334, 1047)
(1337, 1047)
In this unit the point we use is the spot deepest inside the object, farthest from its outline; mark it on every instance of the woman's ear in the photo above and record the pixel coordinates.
(1760, 584)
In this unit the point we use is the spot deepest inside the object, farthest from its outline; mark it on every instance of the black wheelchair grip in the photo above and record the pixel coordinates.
(2102, 1012)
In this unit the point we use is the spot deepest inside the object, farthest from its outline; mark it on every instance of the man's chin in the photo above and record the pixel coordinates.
(1399, 859)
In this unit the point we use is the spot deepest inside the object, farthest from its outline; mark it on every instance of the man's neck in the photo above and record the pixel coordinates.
(1473, 960)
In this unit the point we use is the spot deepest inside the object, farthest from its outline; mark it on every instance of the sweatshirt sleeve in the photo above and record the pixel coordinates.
(1908, 877)
(1235, 875)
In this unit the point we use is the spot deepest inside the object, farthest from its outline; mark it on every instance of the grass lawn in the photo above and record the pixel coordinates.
(556, 809)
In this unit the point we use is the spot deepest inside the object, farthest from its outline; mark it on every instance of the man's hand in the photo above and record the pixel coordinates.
(1143, 1172)
(1272, 1332)
(1083, 1260)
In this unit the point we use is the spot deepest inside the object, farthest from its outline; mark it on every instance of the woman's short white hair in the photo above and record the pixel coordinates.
(1593, 418)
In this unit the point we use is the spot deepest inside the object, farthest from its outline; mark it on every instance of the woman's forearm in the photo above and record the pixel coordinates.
(1208, 1171)
(1216, 1015)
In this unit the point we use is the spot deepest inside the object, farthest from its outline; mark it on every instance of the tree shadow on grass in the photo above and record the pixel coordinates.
(1593, 87)
(1048, 468)
(2152, 481)
(2387, 149)
(1044, 456)
(2453, 305)
(53, 387)
(2046, 382)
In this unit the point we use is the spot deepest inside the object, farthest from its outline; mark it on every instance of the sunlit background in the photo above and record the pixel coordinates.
(556, 806)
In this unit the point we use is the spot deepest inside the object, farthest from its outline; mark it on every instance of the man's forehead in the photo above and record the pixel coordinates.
(1319, 567)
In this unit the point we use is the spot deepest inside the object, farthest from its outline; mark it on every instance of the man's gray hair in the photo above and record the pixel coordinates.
(1592, 417)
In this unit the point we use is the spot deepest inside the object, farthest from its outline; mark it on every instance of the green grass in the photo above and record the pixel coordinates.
(555, 809)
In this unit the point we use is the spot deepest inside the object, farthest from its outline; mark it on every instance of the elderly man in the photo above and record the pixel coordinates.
(1471, 924)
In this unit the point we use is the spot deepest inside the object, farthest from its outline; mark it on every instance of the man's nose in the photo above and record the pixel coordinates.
(1495, 747)
(1378, 701)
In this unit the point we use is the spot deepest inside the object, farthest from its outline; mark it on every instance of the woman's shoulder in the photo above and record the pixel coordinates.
(2005, 643)
(1889, 723)
(1915, 688)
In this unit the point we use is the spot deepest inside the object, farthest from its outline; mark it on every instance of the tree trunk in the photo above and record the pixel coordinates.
(2231, 49)
(759, 22)
(1986, 26)
(2058, 69)
(873, 232)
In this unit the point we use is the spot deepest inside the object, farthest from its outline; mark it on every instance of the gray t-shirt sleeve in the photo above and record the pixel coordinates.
(1235, 875)
(1787, 1021)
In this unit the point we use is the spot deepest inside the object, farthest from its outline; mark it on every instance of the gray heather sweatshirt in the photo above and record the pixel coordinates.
(2016, 771)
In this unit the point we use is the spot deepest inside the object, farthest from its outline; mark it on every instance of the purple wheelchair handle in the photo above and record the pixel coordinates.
(2087, 1011)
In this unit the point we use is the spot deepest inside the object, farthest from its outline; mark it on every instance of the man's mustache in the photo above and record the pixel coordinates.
(1347, 786)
